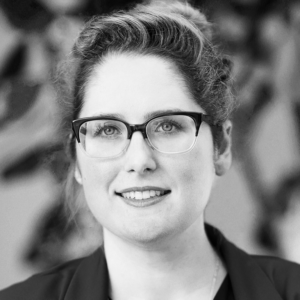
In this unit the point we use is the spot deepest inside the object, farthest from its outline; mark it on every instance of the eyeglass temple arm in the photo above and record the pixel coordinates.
(209, 120)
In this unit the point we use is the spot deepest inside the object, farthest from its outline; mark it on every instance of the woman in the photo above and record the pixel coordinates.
(151, 130)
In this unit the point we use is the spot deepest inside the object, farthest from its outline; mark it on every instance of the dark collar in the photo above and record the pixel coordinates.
(90, 280)
(248, 280)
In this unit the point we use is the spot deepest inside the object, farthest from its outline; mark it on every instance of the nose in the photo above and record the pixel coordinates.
(139, 156)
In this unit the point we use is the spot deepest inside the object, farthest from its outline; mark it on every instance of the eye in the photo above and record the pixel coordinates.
(169, 126)
(166, 126)
(107, 131)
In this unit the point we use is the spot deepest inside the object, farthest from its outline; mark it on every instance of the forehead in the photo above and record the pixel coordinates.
(134, 86)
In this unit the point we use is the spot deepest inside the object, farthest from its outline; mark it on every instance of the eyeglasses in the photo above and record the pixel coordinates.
(170, 133)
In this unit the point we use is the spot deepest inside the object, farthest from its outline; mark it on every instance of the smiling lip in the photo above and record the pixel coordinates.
(143, 196)
(144, 202)
(142, 189)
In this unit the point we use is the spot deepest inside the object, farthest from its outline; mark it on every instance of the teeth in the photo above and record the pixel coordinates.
(146, 194)
(141, 195)
(138, 195)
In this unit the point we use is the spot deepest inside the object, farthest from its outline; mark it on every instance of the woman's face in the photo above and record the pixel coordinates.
(132, 87)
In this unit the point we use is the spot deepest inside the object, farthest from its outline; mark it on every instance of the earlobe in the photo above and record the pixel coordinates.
(223, 155)
(77, 174)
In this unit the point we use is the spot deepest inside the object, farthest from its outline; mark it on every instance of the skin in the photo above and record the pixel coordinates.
(145, 246)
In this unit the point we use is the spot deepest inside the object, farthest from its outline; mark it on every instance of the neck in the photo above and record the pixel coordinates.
(180, 267)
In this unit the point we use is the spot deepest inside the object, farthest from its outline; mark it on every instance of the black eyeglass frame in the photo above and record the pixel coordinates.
(131, 128)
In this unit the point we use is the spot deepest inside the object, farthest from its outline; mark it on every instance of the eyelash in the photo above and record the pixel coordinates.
(173, 123)
(100, 129)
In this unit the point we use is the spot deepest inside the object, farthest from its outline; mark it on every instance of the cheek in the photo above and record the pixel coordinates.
(196, 176)
(96, 181)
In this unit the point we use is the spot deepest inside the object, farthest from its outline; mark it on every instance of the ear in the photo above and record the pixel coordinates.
(223, 155)
(77, 174)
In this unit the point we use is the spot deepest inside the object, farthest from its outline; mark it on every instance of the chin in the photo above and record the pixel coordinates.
(149, 235)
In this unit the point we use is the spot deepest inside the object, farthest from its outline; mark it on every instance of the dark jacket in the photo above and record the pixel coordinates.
(252, 277)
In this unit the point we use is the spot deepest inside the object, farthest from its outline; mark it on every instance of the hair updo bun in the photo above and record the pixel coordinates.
(189, 13)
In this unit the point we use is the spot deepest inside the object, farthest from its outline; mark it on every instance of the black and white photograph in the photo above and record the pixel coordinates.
(149, 150)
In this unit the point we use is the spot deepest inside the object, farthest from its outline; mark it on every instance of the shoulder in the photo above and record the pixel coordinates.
(48, 285)
(278, 269)
(285, 275)
(256, 277)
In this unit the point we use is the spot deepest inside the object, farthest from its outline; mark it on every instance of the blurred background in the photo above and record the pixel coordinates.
(256, 205)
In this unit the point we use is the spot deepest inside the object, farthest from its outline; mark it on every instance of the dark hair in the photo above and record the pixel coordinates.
(176, 32)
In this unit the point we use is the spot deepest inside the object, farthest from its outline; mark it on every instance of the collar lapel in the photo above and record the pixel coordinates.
(248, 280)
(90, 280)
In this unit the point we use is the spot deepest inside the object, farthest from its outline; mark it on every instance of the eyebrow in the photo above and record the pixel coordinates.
(117, 116)
(158, 112)
(146, 116)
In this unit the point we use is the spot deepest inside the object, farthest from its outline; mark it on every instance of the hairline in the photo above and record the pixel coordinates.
(168, 61)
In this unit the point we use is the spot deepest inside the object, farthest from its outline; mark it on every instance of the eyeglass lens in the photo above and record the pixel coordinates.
(108, 138)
